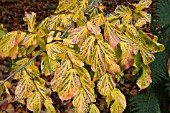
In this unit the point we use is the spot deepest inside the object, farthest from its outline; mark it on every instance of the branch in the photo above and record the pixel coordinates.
(21, 67)
(42, 51)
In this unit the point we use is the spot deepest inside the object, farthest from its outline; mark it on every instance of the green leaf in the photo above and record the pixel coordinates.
(145, 79)
(34, 102)
(119, 104)
(87, 49)
(48, 66)
(94, 109)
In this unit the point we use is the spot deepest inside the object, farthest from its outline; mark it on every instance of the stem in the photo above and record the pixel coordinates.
(21, 68)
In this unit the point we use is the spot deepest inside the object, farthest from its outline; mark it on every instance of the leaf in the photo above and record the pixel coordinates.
(60, 73)
(111, 65)
(79, 102)
(145, 79)
(106, 49)
(148, 47)
(48, 66)
(68, 86)
(131, 29)
(24, 87)
(127, 55)
(98, 61)
(73, 55)
(93, 28)
(106, 84)
(34, 102)
(49, 107)
(9, 44)
(77, 34)
(119, 104)
(99, 19)
(110, 35)
(94, 109)
(125, 13)
(30, 20)
(55, 49)
(168, 66)
(87, 49)
(86, 84)
(30, 39)
(142, 4)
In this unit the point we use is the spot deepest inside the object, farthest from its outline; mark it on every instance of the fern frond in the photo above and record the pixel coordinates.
(144, 103)
(159, 67)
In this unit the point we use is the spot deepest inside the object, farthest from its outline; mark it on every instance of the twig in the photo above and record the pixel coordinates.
(21, 67)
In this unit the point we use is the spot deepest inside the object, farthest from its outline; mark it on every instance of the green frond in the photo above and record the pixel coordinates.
(144, 103)
(159, 67)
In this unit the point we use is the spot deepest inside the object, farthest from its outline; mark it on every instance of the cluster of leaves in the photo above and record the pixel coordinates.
(97, 49)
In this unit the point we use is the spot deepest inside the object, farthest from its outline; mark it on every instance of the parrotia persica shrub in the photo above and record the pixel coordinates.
(79, 46)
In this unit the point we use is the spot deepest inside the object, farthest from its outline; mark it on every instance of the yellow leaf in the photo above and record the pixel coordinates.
(34, 102)
(49, 107)
(107, 49)
(77, 34)
(99, 19)
(93, 28)
(145, 79)
(106, 84)
(60, 73)
(66, 82)
(48, 66)
(110, 35)
(131, 29)
(54, 49)
(142, 4)
(86, 84)
(30, 19)
(79, 102)
(23, 88)
(125, 13)
(119, 104)
(94, 109)
(87, 49)
(9, 44)
(74, 58)
(111, 65)
(98, 61)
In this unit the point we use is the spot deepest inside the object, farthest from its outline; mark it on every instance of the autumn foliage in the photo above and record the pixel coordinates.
(82, 49)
